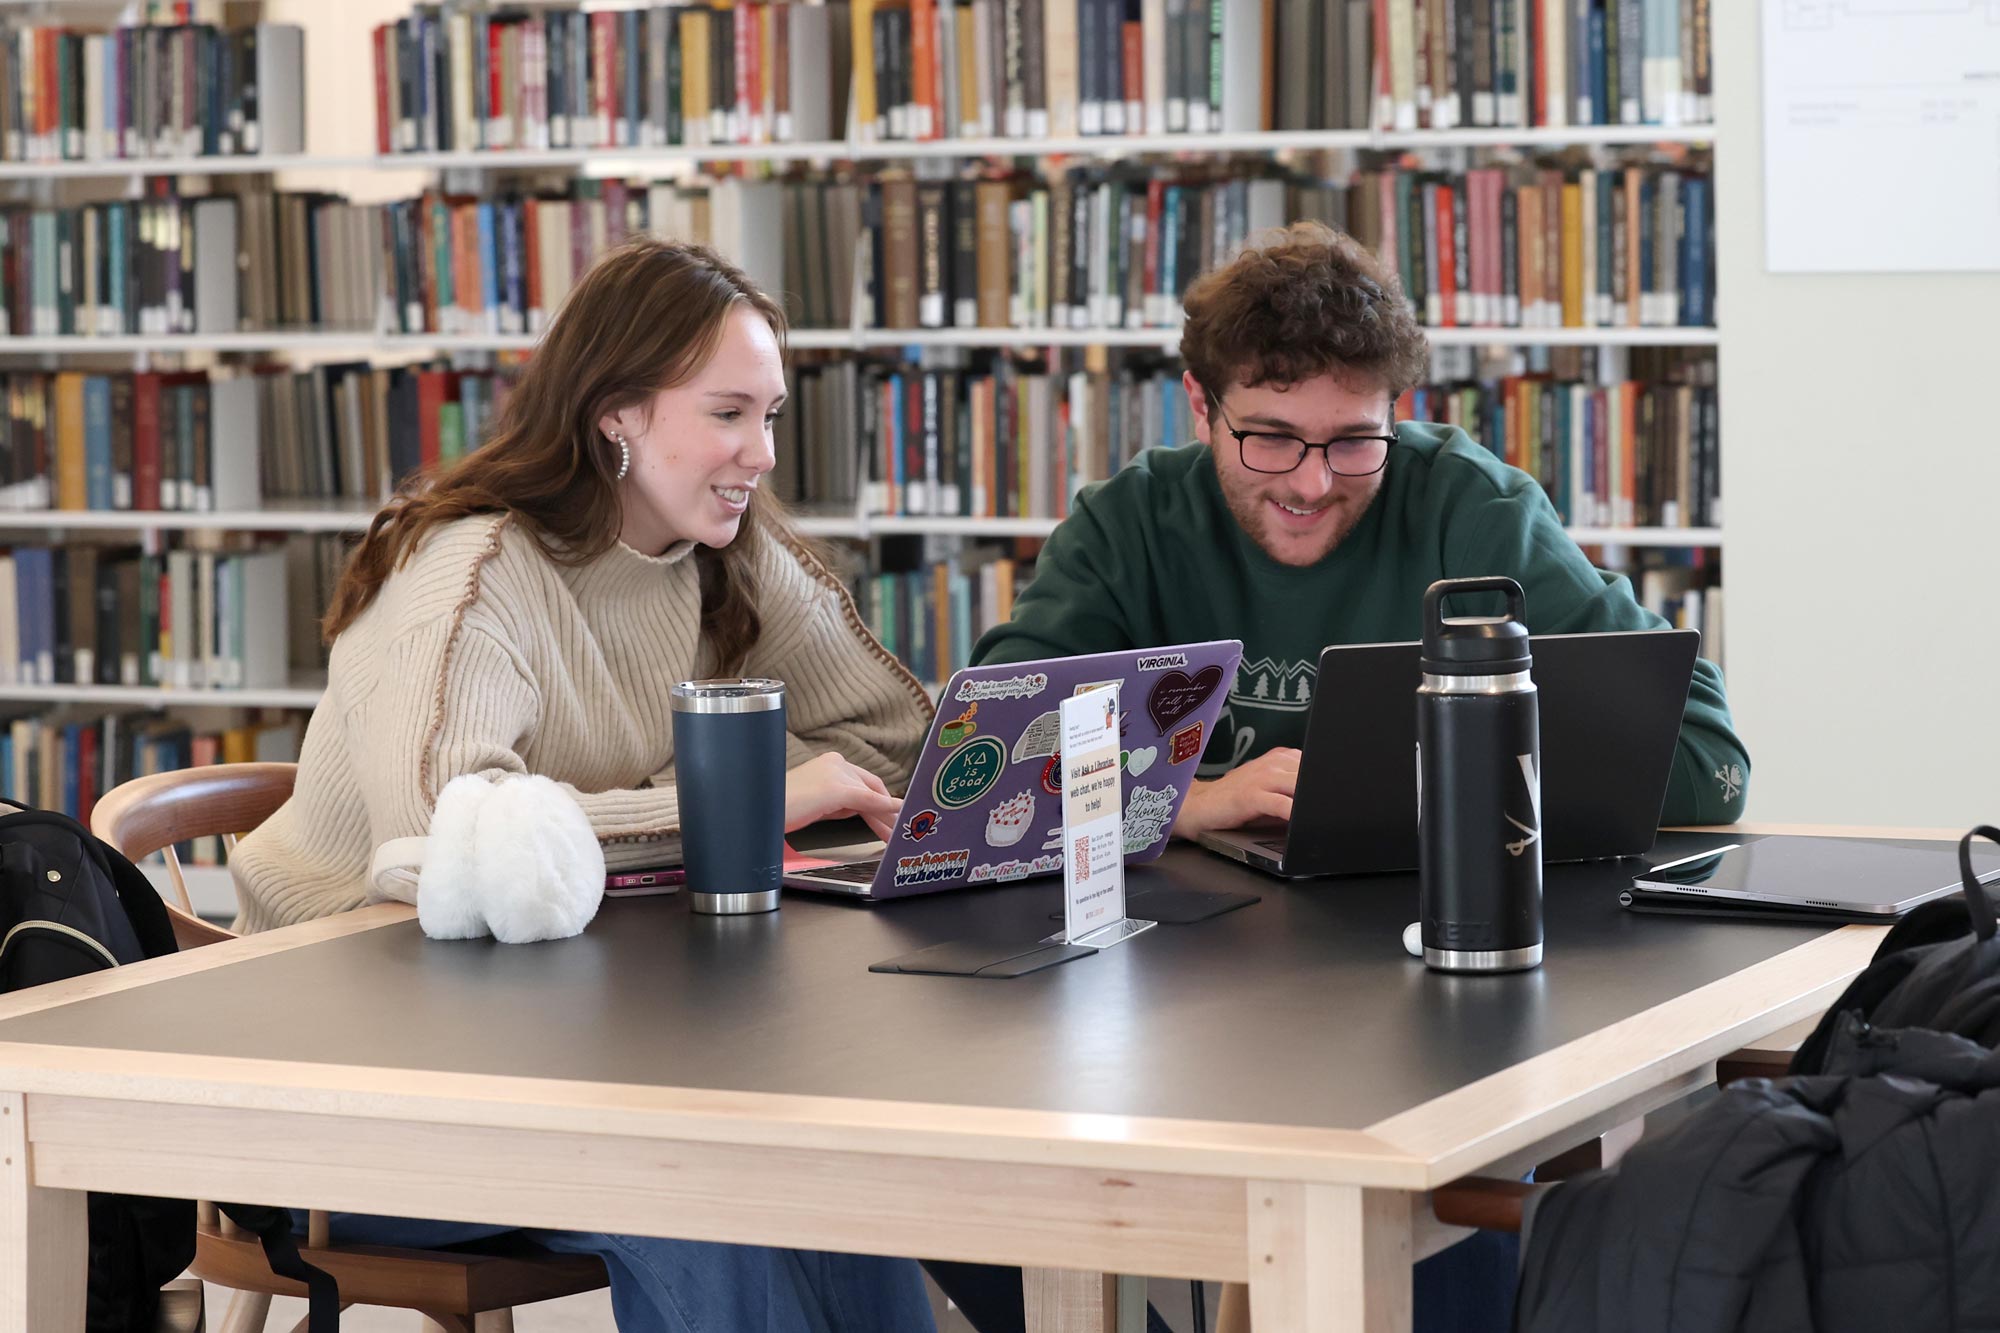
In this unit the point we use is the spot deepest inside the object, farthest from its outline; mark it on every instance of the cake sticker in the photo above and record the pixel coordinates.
(959, 728)
(1176, 694)
(921, 825)
(1010, 820)
(931, 867)
(972, 770)
(1025, 686)
(1040, 738)
(1185, 745)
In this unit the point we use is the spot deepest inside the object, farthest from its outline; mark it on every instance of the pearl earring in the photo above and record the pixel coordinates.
(624, 456)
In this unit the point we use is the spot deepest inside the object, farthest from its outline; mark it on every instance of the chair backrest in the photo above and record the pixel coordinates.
(152, 813)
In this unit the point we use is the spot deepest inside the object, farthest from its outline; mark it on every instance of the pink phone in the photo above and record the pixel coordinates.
(658, 880)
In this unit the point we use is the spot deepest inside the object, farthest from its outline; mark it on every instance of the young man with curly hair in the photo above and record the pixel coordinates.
(1307, 515)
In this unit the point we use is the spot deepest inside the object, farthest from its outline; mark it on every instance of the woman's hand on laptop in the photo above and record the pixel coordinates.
(1259, 792)
(829, 787)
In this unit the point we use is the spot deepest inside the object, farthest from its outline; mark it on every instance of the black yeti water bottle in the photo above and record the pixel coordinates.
(1479, 789)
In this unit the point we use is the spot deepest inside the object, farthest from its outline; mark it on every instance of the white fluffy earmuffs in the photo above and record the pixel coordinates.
(514, 858)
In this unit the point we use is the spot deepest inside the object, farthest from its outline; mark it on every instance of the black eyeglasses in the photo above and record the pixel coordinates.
(1267, 451)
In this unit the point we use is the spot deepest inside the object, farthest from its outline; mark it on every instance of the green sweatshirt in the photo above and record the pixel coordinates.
(1153, 557)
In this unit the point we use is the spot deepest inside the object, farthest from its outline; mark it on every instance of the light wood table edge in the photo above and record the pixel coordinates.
(1758, 828)
(54, 994)
(882, 1202)
(1028, 1137)
(1483, 1122)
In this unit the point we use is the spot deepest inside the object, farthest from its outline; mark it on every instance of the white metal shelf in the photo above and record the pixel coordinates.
(853, 340)
(1102, 145)
(113, 168)
(856, 527)
(300, 694)
(325, 519)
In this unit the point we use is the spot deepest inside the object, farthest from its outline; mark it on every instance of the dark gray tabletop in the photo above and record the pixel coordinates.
(1302, 1009)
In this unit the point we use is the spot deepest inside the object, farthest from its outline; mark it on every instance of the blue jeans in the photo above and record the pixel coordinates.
(688, 1286)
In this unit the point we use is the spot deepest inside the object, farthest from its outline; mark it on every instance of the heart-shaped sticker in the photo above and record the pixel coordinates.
(1138, 761)
(1176, 694)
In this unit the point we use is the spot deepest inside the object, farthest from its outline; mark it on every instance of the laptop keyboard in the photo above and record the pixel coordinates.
(858, 872)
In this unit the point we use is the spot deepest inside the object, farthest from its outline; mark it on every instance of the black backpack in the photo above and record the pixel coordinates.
(1938, 968)
(70, 905)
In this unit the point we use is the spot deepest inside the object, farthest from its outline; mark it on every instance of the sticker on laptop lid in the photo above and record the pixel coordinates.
(1176, 695)
(921, 825)
(1147, 812)
(956, 731)
(1185, 745)
(1009, 821)
(1024, 686)
(1039, 739)
(973, 769)
(931, 867)
(1161, 662)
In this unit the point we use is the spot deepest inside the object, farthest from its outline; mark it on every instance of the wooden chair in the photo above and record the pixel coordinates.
(458, 1292)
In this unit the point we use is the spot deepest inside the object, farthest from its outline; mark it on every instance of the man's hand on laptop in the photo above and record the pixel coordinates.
(830, 787)
(1259, 792)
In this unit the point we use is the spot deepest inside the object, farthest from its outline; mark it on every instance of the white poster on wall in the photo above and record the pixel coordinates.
(1881, 136)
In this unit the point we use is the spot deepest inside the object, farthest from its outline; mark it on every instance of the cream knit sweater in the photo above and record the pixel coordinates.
(482, 655)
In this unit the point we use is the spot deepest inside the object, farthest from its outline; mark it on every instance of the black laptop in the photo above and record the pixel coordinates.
(1610, 708)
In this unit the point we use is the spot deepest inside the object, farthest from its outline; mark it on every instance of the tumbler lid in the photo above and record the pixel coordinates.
(749, 694)
(1474, 645)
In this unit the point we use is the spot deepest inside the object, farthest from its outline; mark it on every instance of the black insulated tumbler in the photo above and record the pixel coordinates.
(729, 767)
(1479, 791)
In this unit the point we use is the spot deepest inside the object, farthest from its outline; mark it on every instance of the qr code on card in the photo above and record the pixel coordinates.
(1080, 858)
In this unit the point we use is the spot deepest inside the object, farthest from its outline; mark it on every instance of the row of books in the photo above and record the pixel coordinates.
(1017, 439)
(1616, 455)
(1684, 587)
(779, 72)
(1522, 246)
(458, 80)
(139, 91)
(67, 759)
(1451, 63)
(166, 265)
(931, 617)
(193, 619)
(1532, 246)
(195, 442)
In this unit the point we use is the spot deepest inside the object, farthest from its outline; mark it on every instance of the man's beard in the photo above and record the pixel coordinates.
(1252, 514)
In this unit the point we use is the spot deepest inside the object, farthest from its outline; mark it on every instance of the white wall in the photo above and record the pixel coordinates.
(1861, 502)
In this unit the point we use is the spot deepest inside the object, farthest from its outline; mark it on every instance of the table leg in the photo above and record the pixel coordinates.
(1060, 1300)
(44, 1239)
(1329, 1259)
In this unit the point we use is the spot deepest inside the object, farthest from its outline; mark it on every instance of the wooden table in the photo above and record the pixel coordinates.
(1264, 1097)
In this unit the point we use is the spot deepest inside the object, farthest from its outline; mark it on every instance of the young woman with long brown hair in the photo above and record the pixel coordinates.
(526, 613)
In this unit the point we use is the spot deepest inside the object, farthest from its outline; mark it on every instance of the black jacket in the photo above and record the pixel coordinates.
(1863, 1199)
(1859, 1195)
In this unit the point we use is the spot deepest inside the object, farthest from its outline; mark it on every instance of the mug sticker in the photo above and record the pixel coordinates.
(1185, 745)
(931, 867)
(972, 770)
(1176, 694)
(959, 728)
(1040, 739)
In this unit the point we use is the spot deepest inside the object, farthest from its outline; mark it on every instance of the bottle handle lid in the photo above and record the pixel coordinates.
(1434, 598)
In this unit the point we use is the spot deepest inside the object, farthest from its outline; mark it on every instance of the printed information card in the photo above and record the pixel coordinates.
(1093, 821)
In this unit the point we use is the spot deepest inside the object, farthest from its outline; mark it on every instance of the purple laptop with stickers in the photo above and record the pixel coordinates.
(984, 805)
